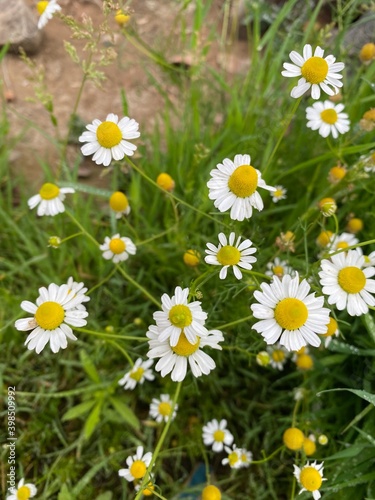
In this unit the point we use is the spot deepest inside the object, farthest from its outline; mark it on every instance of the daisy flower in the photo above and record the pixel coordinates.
(55, 309)
(233, 185)
(345, 282)
(118, 248)
(119, 204)
(46, 11)
(246, 457)
(177, 317)
(369, 259)
(23, 491)
(233, 458)
(332, 331)
(211, 492)
(327, 118)
(341, 241)
(279, 194)
(78, 290)
(108, 139)
(50, 199)
(137, 465)
(279, 268)
(138, 374)
(293, 438)
(175, 359)
(230, 253)
(316, 72)
(216, 434)
(310, 477)
(288, 313)
(278, 356)
(161, 409)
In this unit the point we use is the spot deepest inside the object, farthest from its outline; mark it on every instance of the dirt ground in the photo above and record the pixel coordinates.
(156, 21)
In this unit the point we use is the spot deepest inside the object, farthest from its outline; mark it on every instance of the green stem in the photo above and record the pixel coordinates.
(269, 457)
(111, 335)
(123, 352)
(137, 285)
(77, 223)
(104, 280)
(237, 322)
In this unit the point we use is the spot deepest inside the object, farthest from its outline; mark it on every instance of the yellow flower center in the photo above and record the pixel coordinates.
(293, 438)
(184, 348)
(351, 279)
(49, 315)
(228, 255)
(118, 202)
(219, 436)
(337, 173)
(116, 245)
(165, 181)
(165, 409)
(310, 479)
(367, 52)
(108, 135)
(211, 492)
(121, 18)
(23, 493)
(324, 238)
(137, 374)
(369, 115)
(355, 225)
(180, 316)
(304, 362)
(329, 116)
(233, 458)
(309, 447)
(341, 245)
(278, 270)
(49, 191)
(41, 7)
(244, 181)
(315, 70)
(138, 469)
(331, 328)
(291, 313)
(191, 258)
(278, 355)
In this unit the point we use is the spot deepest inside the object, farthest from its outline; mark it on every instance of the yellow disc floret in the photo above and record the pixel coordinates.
(331, 328)
(165, 408)
(137, 374)
(367, 53)
(184, 347)
(310, 478)
(49, 315)
(329, 116)
(354, 225)
(211, 492)
(315, 70)
(180, 316)
(108, 134)
(278, 270)
(324, 238)
(49, 191)
(304, 362)
(244, 181)
(117, 246)
(351, 279)
(228, 255)
(191, 258)
(23, 493)
(309, 447)
(219, 436)
(41, 7)
(138, 469)
(278, 355)
(293, 438)
(165, 181)
(118, 201)
(291, 313)
(336, 174)
(121, 18)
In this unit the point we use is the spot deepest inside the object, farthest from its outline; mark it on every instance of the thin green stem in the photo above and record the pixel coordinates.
(112, 335)
(269, 457)
(104, 280)
(137, 285)
(121, 349)
(237, 322)
(77, 223)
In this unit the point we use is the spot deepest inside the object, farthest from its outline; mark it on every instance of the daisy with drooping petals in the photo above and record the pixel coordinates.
(228, 253)
(137, 465)
(279, 194)
(216, 434)
(138, 374)
(327, 118)
(55, 309)
(175, 359)
(310, 477)
(119, 204)
(233, 185)
(109, 139)
(161, 409)
(279, 268)
(50, 199)
(23, 491)
(177, 317)
(316, 72)
(118, 248)
(348, 285)
(288, 313)
(46, 11)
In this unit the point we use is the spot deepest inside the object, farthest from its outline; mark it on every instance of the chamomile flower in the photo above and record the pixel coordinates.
(137, 465)
(56, 308)
(78, 290)
(233, 185)
(328, 118)
(46, 11)
(215, 433)
(119, 203)
(309, 446)
(231, 253)
(310, 477)
(345, 282)
(161, 409)
(24, 491)
(117, 248)
(341, 241)
(178, 316)
(138, 374)
(279, 268)
(246, 458)
(233, 458)
(49, 200)
(369, 259)
(279, 194)
(211, 492)
(332, 331)
(109, 139)
(288, 313)
(278, 356)
(316, 72)
(293, 438)
(175, 359)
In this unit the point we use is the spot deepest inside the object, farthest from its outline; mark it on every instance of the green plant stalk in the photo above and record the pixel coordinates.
(137, 285)
(111, 335)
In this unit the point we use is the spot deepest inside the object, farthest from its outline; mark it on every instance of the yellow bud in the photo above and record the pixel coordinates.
(165, 181)
(191, 258)
(354, 225)
(367, 53)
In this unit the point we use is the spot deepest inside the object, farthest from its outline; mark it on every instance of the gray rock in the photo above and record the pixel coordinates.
(360, 33)
(18, 26)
